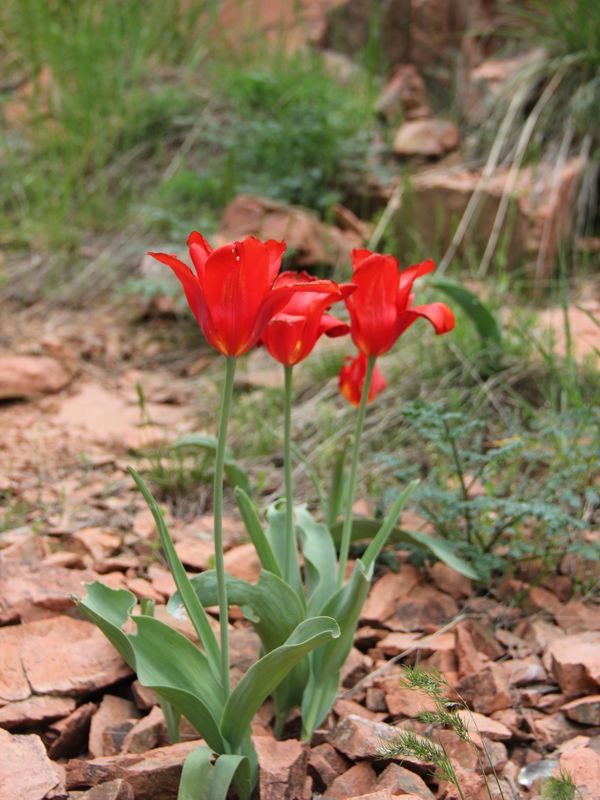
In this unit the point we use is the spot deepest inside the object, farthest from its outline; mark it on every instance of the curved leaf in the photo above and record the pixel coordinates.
(272, 607)
(345, 607)
(177, 670)
(202, 780)
(320, 563)
(263, 676)
(255, 531)
(276, 536)
(195, 610)
(485, 322)
(236, 475)
(367, 528)
(383, 534)
(109, 609)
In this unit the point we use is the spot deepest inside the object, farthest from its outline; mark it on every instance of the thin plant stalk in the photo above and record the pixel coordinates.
(290, 533)
(218, 522)
(360, 420)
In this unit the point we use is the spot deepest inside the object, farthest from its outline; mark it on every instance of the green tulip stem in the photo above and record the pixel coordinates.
(360, 420)
(290, 533)
(218, 517)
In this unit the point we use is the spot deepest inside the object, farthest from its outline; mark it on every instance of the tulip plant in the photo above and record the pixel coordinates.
(305, 616)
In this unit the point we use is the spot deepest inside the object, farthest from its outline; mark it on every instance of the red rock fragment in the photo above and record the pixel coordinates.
(469, 659)
(381, 602)
(425, 609)
(358, 780)
(450, 581)
(26, 772)
(243, 562)
(577, 617)
(575, 662)
(113, 790)
(26, 376)
(147, 733)
(584, 767)
(396, 643)
(586, 710)
(400, 780)
(282, 768)
(326, 763)
(487, 690)
(406, 702)
(68, 737)
(151, 775)
(144, 698)
(113, 711)
(479, 725)
(343, 708)
(35, 711)
(98, 542)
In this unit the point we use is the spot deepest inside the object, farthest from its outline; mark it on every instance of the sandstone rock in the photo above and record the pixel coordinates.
(357, 737)
(26, 772)
(242, 562)
(400, 780)
(356, 666)
(487, 690)
(196, 553)
(358, 780)
(404, 95)
(575, 662)
(36, 594)
(60, 655)
(406, 702)
(549, 730)
(381, 602)
(113, 790)
(151, 775)
(584, 767)
(450, 581)
(426, 137)
(313, 242)
(425, 609)
(479, 725)
(468, 657)
(396, 643)
(147, 733)
(35, 711)
(144, 698)
(344, 708)
(522, 671)
(26, 376)
(282, 768)
(577, 617)
(539, 213)
(586, 710)
(112, 712)
(326, 763)
(539, 633)
(67, 738)
(98, 542)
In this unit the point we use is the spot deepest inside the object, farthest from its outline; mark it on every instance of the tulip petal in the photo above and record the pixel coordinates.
(438, 314)
(372, 306)
(352, 377)
(332, 326)
(407, 277)
(275, 251)
(237, 278)
(284, 339)
(200, 250)
(360, 254)
(188, 280)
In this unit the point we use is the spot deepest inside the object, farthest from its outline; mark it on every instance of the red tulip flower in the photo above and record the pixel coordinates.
(292, 333)
(381, 307)
(352, 378)
(232, 293)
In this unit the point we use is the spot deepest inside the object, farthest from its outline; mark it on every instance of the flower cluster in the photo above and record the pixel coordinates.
(239, 298)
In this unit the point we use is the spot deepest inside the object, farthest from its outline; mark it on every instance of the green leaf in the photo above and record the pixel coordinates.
(264, 676)
(485, 322)
(236, 475)
(194, 608)
(383, 534)
(345, 606)
(178, 671)
(272, 606)
(202, 780)
(256, 532)
(367, 528)
(229, 768)
(320, 563)
(109, 609)
(276, 536)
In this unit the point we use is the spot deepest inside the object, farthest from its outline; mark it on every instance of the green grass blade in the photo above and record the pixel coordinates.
(236, 475)
(485, 322)
(383, 534)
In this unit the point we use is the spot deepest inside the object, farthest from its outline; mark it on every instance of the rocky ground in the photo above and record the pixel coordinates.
(525, 656)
